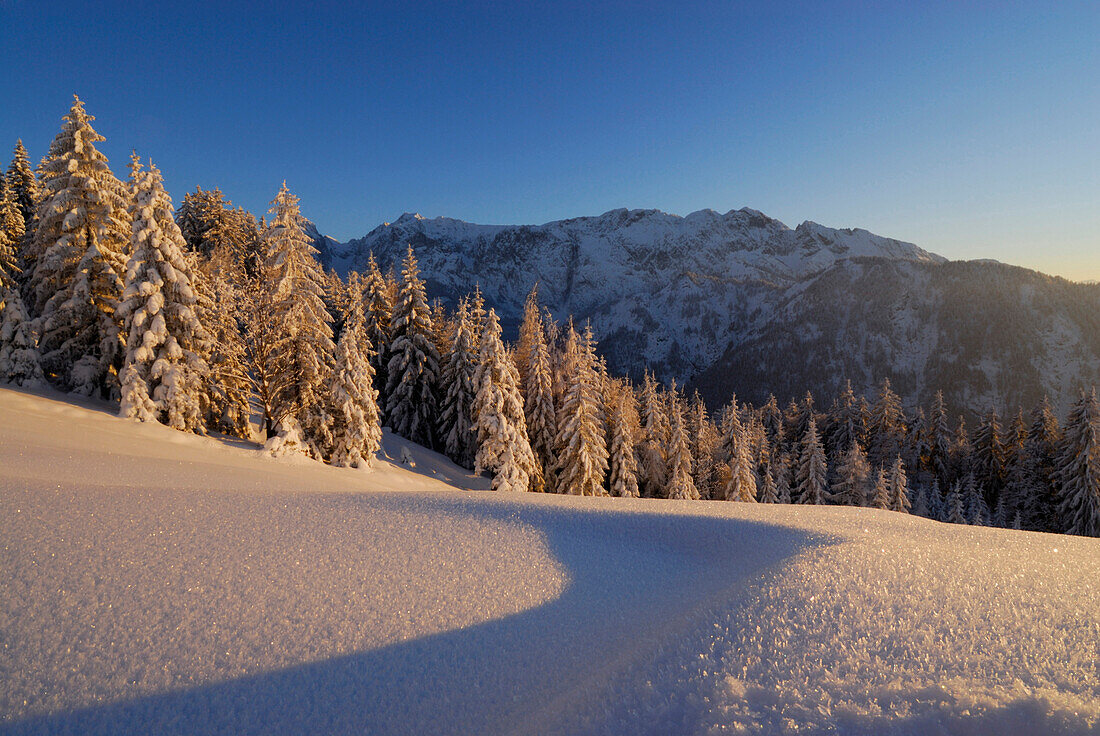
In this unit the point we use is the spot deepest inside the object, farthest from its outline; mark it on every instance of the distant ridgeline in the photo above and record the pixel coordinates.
(740, 302)
(193, 317)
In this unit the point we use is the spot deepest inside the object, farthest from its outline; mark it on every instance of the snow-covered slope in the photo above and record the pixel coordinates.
(155, 582)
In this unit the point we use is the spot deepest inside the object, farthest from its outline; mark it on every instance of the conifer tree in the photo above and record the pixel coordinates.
(301, 350)
(1043, 439)
(940, 439)
(1078, 469)
(228, 384)
(582, 448)
(741, 485)
(655, 439)
(163, 372)
(783, 478)
(502, 445)
(880, 493)
(378, 313)
(956, 507)
(850, 487)
(812, 468)
(358, 428)
(920, 502)
(887, 430)
(530, 331)
(976, 507)
(79, 252)
(704, 442)
(12, 233)
(846, 422)
(681, 486)
(19, 361)
(456, 428)
(413, 370)
(24, 185)
(770, 492)
(539, 408)
(623, 425)
(899, 487)
(989, 456)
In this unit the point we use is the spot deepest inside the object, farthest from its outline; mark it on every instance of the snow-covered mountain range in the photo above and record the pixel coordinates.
(742, 302)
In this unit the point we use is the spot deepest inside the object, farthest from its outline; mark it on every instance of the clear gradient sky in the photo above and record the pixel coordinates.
(971, 129)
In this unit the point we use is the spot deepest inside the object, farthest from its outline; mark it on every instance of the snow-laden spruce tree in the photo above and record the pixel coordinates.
(956, 506)
(163, 373)
(769, 492)
(228, 380)
(530, 331)
(783, 470)
(357, 432)
(681, 486)
(12, 232)
(623, 426)
(377, 315)
(502, 445)
(812, 469)
(880, 492)
(899, 487)
(848, 424)
(977, 510)
(940, 438)
(850, 486)
(413, 370)
(1078, 469)
(79, 252)
(887, 431)
(456, 417)
(736, 446)
(988, 457)
(539, 408)
(655, 439)
(24, 185)
(302, 349)
(19, 361)
(581, 443)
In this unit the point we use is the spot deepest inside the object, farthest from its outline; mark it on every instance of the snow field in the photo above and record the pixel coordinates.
(158, 582)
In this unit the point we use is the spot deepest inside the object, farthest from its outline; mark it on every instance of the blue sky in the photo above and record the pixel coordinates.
(972, 129)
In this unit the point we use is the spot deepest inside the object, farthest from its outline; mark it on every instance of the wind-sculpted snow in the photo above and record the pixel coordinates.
(155, 582)
(900, 626)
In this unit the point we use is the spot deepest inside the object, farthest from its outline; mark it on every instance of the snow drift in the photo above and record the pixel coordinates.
(157, 582)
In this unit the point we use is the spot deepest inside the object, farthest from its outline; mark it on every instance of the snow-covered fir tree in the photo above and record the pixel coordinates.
(956, 506)
(623, 427)
(681, 486)
(12, 232)
(377, 315)
(301, 351)
(988, 456)
(456, 424)
(163, 373)
(357, 432)
(1078, 468)
(769, 493)
(736, 446)
(502, 445)
(19, 361)
(939, 440)
(655, 439)
(581, 443)
(24, 185)
(853, 474)
(977, 511)
(79, 252)
(539, 407)
(812, 468)
(880, 491)
(229, 384)
(530, 332)
(413, 369)
(887, 428)
(899, 487)
(783, 471)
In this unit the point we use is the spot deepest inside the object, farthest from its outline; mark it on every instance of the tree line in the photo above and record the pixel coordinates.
(201, 317)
